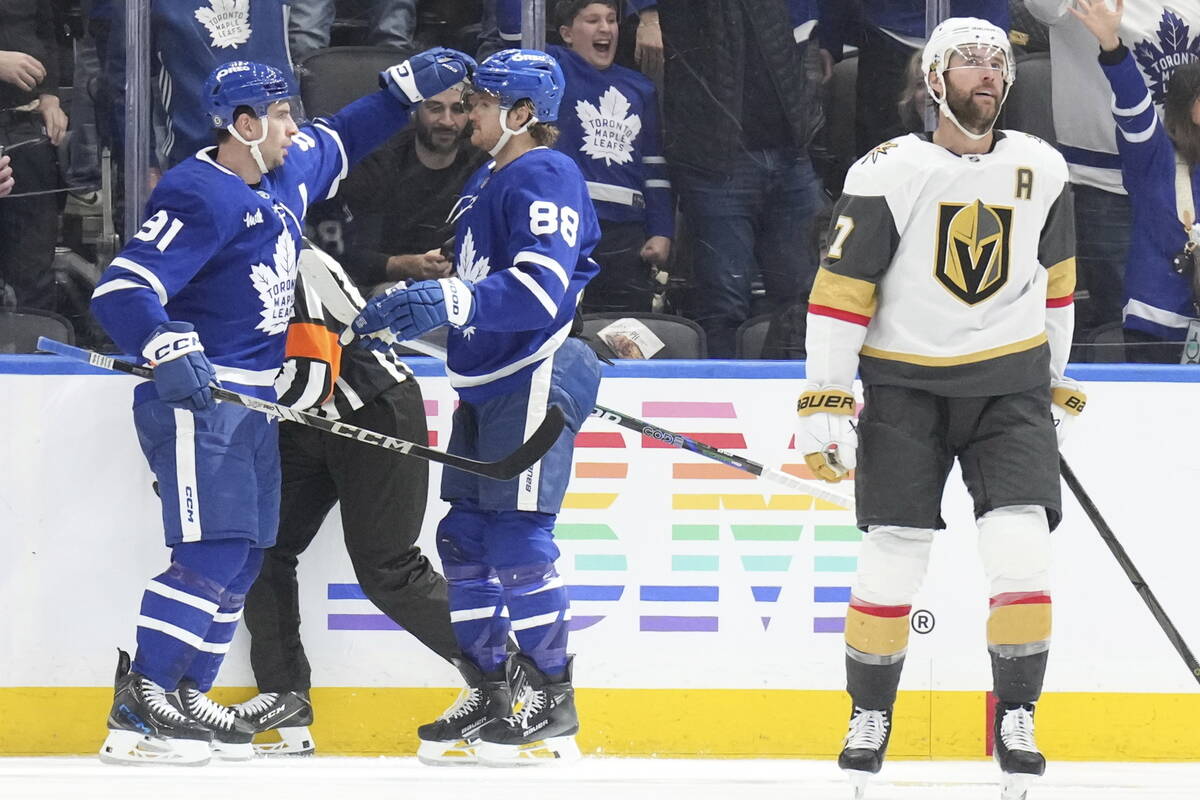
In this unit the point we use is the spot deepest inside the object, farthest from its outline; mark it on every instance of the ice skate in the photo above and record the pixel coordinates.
(280, 721)
(230, 735)
(1016, 751)
(145, 728)
(865, 747)
(453, 738)
(541, 729)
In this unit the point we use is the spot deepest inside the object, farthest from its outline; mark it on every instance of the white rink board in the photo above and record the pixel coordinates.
(81, 536)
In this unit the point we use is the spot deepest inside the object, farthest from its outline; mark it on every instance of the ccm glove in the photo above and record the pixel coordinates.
(182, 373)
(1067, 402)
(426, 74)
(411, 312)
(826, 434)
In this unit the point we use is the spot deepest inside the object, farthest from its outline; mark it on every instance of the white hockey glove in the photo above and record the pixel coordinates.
(826, 434)
(1067, 402)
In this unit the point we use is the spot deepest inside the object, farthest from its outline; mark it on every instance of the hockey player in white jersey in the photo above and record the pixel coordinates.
(948, 287)
(204, 293)
(524, 233)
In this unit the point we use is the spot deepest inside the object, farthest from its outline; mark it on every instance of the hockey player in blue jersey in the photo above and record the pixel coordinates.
(525, 228)
(1160, 167)
(204, 293)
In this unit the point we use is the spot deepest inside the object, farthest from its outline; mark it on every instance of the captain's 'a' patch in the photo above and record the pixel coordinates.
(972, 249)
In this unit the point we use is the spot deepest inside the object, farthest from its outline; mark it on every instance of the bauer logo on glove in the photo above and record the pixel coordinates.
(826, 434)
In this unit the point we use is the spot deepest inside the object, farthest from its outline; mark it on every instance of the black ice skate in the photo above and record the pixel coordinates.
(865, 747)
(542, 727)
(1015, 749)
(145, 728)
(230, 735)
(285, 715)
(453, 738)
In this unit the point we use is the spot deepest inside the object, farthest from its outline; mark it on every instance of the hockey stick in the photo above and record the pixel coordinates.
(729, 459)
(1131, 572)
(506, 468)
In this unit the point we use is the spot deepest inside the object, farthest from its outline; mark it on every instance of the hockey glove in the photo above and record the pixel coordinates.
(182, 373)
(1067, 401)
(411, 312)
(826, 434)
(426, 74)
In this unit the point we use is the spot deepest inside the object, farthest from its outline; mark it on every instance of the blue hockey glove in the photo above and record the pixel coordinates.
(182, 373)
(426, 74)
(412, 311)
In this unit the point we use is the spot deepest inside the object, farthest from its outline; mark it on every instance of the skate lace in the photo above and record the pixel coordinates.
(257, 704)
(467, 702)
(868, 729)
(208, 711)
(1016, 730)
(530, 702)
(155, 697)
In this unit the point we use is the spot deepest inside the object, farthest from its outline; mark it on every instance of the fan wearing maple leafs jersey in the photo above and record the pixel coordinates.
(610, 127)
(204, 293)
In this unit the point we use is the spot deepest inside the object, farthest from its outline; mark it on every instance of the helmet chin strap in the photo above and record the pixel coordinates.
(502, 115)
(255, 152)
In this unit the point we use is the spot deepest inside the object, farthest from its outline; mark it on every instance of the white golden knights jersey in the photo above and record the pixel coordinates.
(953, 274)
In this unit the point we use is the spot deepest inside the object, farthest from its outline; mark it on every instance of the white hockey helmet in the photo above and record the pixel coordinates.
(958, 35)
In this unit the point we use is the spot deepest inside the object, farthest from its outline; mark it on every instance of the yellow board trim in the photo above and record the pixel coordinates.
(715, 723)
(953, 361)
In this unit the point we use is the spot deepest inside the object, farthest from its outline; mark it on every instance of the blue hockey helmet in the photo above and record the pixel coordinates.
(243, 83)
(515, 75)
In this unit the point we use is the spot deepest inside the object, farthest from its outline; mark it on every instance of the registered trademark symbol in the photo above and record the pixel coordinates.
(922, 621)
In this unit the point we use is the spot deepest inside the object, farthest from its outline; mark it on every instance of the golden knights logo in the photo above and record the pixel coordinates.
(972, 249)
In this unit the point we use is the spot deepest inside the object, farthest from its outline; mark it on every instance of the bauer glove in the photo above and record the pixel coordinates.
(826, 434)
(182, 373)
(1067, 402)
(426, 74)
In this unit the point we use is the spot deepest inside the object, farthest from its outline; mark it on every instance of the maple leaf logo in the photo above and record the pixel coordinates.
(610, 130)
(468, 268)
(1174, 49)
(228, 22)
(276, 286)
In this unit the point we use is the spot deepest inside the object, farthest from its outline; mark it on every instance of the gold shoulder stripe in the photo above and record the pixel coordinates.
(1061, 278)
(953, 361)
(844, 293)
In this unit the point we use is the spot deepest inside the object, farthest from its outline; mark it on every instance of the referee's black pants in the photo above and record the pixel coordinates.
(383, 496)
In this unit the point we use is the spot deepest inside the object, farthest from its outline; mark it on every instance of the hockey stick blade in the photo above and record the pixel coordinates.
(509, 467)
(729, 459)
(1131, 571)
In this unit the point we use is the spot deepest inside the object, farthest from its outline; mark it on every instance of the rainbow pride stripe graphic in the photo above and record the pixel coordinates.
(713, 543)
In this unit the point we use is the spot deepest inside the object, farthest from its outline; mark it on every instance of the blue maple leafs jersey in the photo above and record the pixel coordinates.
(221, 254)
(524, 238)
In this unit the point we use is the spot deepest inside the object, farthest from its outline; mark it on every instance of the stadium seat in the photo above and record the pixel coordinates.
(1029, 107)
(335, 76)
(751, 334)
(681, 337)
(21, 327)
(1105, 345)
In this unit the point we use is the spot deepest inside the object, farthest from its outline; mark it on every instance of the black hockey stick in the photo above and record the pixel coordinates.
(682, 442)
(506, 468)
(1131, 572)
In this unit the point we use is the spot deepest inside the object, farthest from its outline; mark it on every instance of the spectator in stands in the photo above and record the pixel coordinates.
(32, 123)
(1161, 167)
(6, 176)
(391, 24)
(1159, 35)
(740, 112)
(888, 33)
(609, 125)
(189, 39)
(389, 222)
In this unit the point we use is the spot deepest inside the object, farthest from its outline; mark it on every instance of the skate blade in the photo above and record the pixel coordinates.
(544, 752)
(226, 751)
(285, 742)
(132, 747)
(448, 754)
(1015, 785)
(858, 781)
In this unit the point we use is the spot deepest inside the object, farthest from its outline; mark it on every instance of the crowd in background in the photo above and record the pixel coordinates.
(714, 135)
